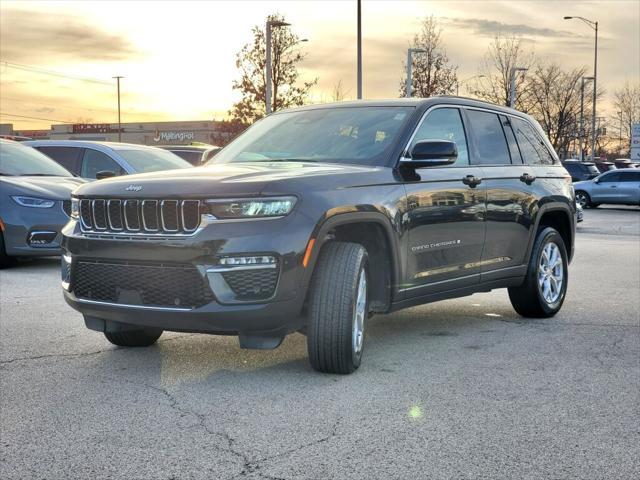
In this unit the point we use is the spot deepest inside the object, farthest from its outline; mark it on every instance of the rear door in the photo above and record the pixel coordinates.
(509, 195)
(629, 186)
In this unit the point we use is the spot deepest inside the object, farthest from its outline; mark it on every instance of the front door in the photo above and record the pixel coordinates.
(445, 213)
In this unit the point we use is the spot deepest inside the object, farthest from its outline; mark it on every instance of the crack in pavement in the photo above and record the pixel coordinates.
(249, 466)
(80, 354)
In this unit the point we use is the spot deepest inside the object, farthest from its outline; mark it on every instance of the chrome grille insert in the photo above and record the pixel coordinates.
(139, 217)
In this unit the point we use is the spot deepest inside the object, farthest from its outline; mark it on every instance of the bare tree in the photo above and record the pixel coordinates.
(493, 83)
(251, 61)
(626, 101)
(433, 73)
(338, 93)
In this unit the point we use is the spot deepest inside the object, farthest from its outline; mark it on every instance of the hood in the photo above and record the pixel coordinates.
(54, 188)
(221, 180)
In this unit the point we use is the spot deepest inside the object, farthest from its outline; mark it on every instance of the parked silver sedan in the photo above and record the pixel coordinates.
(615, 186)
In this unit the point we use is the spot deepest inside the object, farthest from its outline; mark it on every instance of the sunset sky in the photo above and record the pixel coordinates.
(178, 57)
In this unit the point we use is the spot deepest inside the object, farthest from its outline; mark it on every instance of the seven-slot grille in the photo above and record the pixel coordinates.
(149, 216)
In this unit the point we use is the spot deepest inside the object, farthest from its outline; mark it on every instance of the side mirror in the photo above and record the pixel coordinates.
(596, 180)
(105, 174)
(432, 153)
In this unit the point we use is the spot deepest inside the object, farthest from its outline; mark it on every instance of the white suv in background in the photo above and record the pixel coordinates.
(95, 160)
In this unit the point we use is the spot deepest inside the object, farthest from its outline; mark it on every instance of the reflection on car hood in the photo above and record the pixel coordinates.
(54, 188)
(248, 178)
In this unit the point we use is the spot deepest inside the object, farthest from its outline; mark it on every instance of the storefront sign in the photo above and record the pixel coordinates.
(173, 136)
(93, 128)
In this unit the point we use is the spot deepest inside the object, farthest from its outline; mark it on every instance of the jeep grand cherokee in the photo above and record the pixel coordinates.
(318, 217)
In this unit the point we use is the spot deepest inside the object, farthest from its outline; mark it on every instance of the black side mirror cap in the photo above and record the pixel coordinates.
(105, 174)
(431, 153)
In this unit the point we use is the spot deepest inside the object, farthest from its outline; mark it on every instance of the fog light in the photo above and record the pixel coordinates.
(41, 238)
(65, 271)
(252, 260)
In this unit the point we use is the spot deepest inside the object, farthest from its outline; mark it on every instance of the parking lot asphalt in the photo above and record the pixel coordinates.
(458, 389)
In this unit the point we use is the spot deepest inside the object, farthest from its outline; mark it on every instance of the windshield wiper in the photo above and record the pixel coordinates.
(7, 174)
(287, 160)
(39, 175)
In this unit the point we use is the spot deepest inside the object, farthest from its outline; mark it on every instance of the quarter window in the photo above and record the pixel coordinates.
(444, 124)
(531, 144)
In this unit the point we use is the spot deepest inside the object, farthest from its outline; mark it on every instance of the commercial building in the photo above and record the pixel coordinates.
(145, 133)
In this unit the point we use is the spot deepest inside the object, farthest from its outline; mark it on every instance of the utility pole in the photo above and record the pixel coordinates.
(581, 131)
(409, 85)
(119, 122)
(512, 92)
(359, 60)
(594, 26)
(268, 81)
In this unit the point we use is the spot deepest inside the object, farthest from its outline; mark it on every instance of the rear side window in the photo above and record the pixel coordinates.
(68, 157)
(489, 137)
(630, 176)
(95, 161)
(533, 148)
(444, 124)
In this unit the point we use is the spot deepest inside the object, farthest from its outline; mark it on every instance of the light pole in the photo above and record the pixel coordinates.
(118, 77)
(268, 82)
(620, 135)
(359, 52)
(410, 52)
(581, 131)
(512, 91)
(594, 26)
(461, 82)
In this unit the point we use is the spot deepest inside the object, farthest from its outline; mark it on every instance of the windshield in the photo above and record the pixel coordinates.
(20, 160)
(361, 135)
(593, 169)
(152, 160)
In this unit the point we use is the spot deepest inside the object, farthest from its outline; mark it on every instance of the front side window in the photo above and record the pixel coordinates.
(610, 178)
(490, 139)
(444, 124)
(20, 160)
(95, 161)
(357, 135)
(532, 146)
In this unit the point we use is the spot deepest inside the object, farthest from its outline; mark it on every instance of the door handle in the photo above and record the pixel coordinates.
(528, 179)
(472, 181)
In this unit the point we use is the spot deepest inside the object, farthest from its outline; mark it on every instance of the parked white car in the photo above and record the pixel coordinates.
(95, 160)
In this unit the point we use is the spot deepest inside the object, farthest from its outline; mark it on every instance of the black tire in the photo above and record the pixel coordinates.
(583, 199)
(5, 260)
(528, 299)
(134, 338)
(332, 308)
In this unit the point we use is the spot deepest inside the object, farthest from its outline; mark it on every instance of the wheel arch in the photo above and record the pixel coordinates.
(559, 216)
(368, 229)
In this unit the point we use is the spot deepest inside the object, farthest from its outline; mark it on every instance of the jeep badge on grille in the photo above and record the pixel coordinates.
(133, 188)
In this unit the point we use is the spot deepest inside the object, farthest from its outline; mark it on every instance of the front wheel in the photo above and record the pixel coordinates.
(545, 286)
(338, 307)
(583, 199)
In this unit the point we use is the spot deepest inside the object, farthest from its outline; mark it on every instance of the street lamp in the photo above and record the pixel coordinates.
(119, 124)
(461, 82)
(512, 93)
(270, 24)
(410, 52)
(594, 26)
(581, 132)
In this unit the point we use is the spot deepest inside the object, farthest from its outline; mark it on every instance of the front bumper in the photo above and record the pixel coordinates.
(279, 314)
(21, 223)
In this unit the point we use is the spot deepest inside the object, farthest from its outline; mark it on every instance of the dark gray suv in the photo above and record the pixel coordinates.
(316, 218)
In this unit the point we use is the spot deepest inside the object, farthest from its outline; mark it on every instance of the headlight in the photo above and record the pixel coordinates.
(250, 207)
(33, 202)
(75, 208)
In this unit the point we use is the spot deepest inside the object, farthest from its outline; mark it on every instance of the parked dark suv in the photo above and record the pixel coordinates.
(316, 218)
(580, 171)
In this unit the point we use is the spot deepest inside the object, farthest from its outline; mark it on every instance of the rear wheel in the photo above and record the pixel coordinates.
(134, 338)
(545, 286)
(338, 308)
